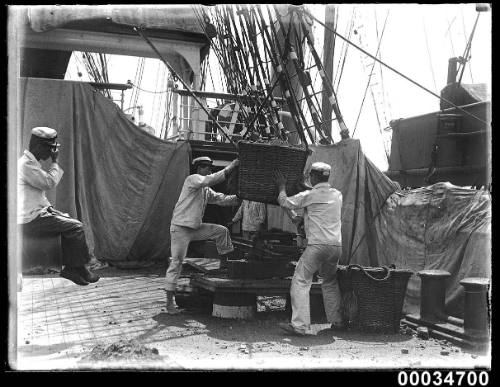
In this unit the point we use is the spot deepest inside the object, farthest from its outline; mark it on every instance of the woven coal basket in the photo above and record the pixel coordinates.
(380, 294)
(257, 163)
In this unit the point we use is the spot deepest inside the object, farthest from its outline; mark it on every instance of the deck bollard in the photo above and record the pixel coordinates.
(432, 294)
(476, 306)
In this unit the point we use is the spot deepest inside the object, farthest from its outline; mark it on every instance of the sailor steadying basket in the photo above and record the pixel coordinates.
(322, 220)
(187, 226)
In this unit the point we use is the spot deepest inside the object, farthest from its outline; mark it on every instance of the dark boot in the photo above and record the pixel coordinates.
(73, 274)
(291, 330)
(338, 327)
(87, 275)
(224, 258)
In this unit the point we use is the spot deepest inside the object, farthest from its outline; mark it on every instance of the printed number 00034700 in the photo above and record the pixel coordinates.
(438, 378)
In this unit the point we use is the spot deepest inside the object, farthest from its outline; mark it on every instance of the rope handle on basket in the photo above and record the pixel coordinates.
(387, 269)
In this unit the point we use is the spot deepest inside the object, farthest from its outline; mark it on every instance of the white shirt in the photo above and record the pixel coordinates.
(195, 195)
(32, 182)
(322, 213)
(252, 214)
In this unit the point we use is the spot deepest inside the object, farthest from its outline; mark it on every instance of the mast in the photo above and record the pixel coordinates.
(328, 52)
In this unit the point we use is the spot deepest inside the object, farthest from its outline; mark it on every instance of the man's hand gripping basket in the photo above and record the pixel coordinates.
(257, 163)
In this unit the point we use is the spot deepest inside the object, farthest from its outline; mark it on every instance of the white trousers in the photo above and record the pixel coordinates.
(179, 243)
(322, 258)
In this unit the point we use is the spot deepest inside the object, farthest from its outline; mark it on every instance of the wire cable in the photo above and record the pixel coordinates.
(371, 73)
(345, 52)
(429, 56)
(465, 36)
(149, 91)
(400, 74)
(465, 56)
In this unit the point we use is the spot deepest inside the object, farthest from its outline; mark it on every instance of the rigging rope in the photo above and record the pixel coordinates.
(466, 56)
(148, 91)
(94, 72)
(384, 145)
(371, 73)
(402, 75)
(142, 34)
(153, 104)
(384, 102)
(163, 128)
(429, 56)
(139, 81)
(465, 37)
(345, 52)
(135, 79)
(215, 49)
(158, 111)
(448, 32)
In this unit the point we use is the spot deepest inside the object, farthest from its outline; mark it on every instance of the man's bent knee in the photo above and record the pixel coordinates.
(222, 230)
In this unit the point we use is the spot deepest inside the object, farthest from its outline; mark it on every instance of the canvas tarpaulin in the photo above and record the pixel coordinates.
(436, 227)
(364, 191)
(464, 94)
(443, 227)
(120, 181)
(167, 17)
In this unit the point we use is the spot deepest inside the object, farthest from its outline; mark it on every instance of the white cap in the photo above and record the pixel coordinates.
(205, 159)
(44, 132)
(324, 168)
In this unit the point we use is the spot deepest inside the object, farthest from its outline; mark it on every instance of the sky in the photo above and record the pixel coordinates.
(418, 40)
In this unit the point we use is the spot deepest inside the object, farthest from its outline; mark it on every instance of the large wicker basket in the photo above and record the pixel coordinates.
(257, 163)
(380, 294)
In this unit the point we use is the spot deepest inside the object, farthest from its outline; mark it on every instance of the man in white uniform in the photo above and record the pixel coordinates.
(322, 221)
(37, 217)
(187, 226)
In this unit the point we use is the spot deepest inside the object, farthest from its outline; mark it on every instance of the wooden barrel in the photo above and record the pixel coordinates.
(241, 306)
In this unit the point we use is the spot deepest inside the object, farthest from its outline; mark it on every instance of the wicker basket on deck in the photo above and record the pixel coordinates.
(380, 294)
(257, 163)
